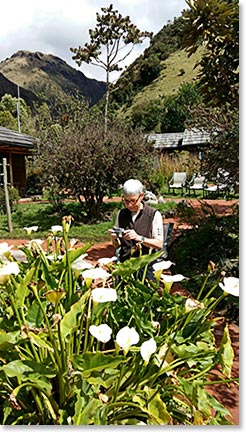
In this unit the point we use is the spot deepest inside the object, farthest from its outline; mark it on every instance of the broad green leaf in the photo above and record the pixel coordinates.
(69, 321)
(76, 253)
(85, 410)
(8, 338)
(90, 362)
(35, 315)
(226, 353)
(24, 369)
(22, 289)
(132, 265)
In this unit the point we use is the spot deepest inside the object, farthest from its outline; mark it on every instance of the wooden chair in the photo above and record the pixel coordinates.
(197, 183)
(178, 181)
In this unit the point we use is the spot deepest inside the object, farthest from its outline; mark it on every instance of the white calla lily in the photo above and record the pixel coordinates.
(101, 332)
(103, 295)
(56, 228)
(162, 265)
(96, 273)
(192, 304)
(172, 278)
(8, 269)
(30, 229)
(106, 261)
(126, 337)
(147, 349)
(230, 285)
(5, 248)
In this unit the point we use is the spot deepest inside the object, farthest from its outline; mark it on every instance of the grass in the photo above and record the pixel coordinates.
(45, 216)
(169, 81)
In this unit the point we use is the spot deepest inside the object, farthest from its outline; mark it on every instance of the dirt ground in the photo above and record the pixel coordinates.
(227, 394)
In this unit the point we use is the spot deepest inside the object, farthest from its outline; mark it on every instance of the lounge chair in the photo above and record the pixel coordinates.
(178, 181)
(221, 185)
(197, 183)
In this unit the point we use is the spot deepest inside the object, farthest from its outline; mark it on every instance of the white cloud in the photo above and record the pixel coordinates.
(53, 26)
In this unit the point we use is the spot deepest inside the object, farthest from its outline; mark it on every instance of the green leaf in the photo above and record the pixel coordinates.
(8, 338)
(26, 369)
(35, 317)
(22, 289)
(69, 321)
(226, 353)
(90, 362)
(132, 265)
(85, 410)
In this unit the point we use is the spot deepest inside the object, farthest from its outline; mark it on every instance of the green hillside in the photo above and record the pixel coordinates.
(177, 69)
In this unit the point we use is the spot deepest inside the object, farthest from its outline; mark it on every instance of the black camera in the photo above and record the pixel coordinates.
(118, 231)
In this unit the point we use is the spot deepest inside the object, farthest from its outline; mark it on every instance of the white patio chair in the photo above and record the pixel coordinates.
(178, 181)
(197, 183)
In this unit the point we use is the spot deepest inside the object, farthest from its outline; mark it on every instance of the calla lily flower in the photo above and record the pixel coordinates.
(192, 304)
(4, 248)
(162, 265)
(168, 280)
(30, 229)
(230, 285)
(102, 332)
(148, 348)
(106, 261)
(103, 295)
(126, 337)
(80, 265)
(8, 269)
(56, 228)
(94, 273)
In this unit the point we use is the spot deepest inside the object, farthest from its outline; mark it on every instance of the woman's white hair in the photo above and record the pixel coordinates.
(132, 187)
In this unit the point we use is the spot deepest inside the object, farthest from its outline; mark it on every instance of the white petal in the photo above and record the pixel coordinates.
(148, 348)
(162, 265)
(126, 337)
(102, 295)
(230, 285)
(102, 332)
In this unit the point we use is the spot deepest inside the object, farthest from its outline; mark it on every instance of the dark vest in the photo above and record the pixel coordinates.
(142, 225)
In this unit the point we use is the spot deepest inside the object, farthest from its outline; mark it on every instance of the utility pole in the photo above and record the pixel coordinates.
(18, 108)
(5, 185)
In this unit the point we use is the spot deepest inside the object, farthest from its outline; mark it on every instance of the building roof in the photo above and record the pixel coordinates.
(190, 137)
(10, 138)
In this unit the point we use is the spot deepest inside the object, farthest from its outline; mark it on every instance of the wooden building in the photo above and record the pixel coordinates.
(15, 147)
(191, 139)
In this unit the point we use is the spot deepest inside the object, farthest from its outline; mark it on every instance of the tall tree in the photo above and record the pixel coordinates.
(215, 25)
(114, 33)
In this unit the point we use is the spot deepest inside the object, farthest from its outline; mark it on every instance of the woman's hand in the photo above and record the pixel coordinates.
(130, 234)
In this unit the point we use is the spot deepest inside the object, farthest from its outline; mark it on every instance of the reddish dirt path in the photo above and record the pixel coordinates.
(228, 395)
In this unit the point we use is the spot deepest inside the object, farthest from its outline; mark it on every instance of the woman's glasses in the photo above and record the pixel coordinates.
(131, 202)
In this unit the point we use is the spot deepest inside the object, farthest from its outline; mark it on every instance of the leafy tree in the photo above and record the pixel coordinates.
(177, 109)
(94, 164)
(222, 150)
(113, 33)
(8, 113)
(215, 24)
(167, 114)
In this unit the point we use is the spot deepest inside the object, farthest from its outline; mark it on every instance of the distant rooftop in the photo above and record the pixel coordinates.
(10, 137)
(172, 140)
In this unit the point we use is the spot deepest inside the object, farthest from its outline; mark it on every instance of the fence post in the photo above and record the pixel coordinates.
(5, 185)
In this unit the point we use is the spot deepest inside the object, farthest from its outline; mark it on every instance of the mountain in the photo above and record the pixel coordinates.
(7, 86)
(48, 76)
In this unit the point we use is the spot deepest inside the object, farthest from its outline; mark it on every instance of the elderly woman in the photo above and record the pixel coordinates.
(141, 223)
